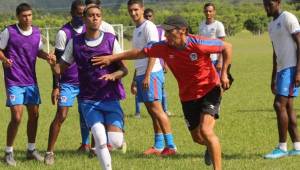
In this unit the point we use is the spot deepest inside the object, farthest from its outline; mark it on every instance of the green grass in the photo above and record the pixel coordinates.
(247, 127)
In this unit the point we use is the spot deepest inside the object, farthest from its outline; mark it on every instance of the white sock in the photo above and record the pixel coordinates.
(282, 146)
(31, 146)
(297, 145)
(115, 139)
(103, 155)
(9, 149)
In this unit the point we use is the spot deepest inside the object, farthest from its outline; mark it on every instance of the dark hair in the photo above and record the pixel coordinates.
(209, 4)
(148, 10)
(23, 7)
(131, 2)
(75, 5)
(89, 7)
(96, 2)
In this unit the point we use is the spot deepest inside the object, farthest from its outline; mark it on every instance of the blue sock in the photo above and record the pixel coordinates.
(84, 130)
(137, 105)
(169, 140)
(159, 141)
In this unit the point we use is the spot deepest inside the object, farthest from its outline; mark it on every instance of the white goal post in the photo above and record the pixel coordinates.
(49, 34)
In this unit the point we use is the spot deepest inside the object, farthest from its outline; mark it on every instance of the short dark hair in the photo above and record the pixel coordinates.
(23, 7)
(76, 4)
(148, 10)
(89, 7)
(131, 2)
(209, 4)
(97, 2)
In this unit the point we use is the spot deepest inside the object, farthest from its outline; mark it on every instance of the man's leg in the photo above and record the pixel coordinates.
(32, 125)
(207, 123)
(55, 126)
(84, 132)
(137, 108)
(292, 127)
(12, 129)
(54, 130)
(280, 106)
(161, 123)
(99, 133)
(115, 137)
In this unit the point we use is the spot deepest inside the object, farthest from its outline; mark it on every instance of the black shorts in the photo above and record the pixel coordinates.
(210, 103)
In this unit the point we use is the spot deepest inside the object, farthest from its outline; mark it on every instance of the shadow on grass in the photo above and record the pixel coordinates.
(254, 110)
(146, 115)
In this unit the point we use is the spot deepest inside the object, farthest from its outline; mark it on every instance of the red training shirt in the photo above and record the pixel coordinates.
(191, 66)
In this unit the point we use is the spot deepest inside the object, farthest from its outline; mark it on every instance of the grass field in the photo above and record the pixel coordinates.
(247, 127)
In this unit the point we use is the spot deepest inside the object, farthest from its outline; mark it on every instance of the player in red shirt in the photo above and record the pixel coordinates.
(188, 57)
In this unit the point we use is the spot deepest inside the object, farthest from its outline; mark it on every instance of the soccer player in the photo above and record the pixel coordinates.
(212, 28)
(284, 32)
(100, 88)
(148, 79)
(199, 83)
(149, 15)
(105, 27)
(20, 45)
(65, 87)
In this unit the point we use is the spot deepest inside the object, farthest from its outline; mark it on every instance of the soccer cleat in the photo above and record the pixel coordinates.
(276, 153)
(137, 115)
(152, 151)
(34, 154)
(207, 158)
(84, 148)
(49, 158)
(92, 153)
(168, 113)
(9, 159)
(169, 152)
(294, 152)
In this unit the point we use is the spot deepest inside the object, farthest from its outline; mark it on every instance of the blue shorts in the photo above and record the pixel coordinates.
(285, 85)
(105, 112)
(23, 95)
(68, 93)
(154, 92)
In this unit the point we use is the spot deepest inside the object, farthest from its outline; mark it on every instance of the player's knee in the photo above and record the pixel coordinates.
(33, 117)
(197, 138)
(115, 139)
(206, 132)
(99, 134)
(61, 117)
(277, 105)
(16, 119)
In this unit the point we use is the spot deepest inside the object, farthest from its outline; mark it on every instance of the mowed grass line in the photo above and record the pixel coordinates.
(247, 126)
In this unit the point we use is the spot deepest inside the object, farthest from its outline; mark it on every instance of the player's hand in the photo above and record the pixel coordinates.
(133, 88)
(297, 79)
(108, 77)
(146, 83)
(273, 87)
(101, 61)
(7, 63)
(51, 59)
(225, 81)
(219, 66)
(55, 96)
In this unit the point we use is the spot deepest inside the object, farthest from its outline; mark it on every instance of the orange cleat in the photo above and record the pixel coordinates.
(152, 151)
(169, 152)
